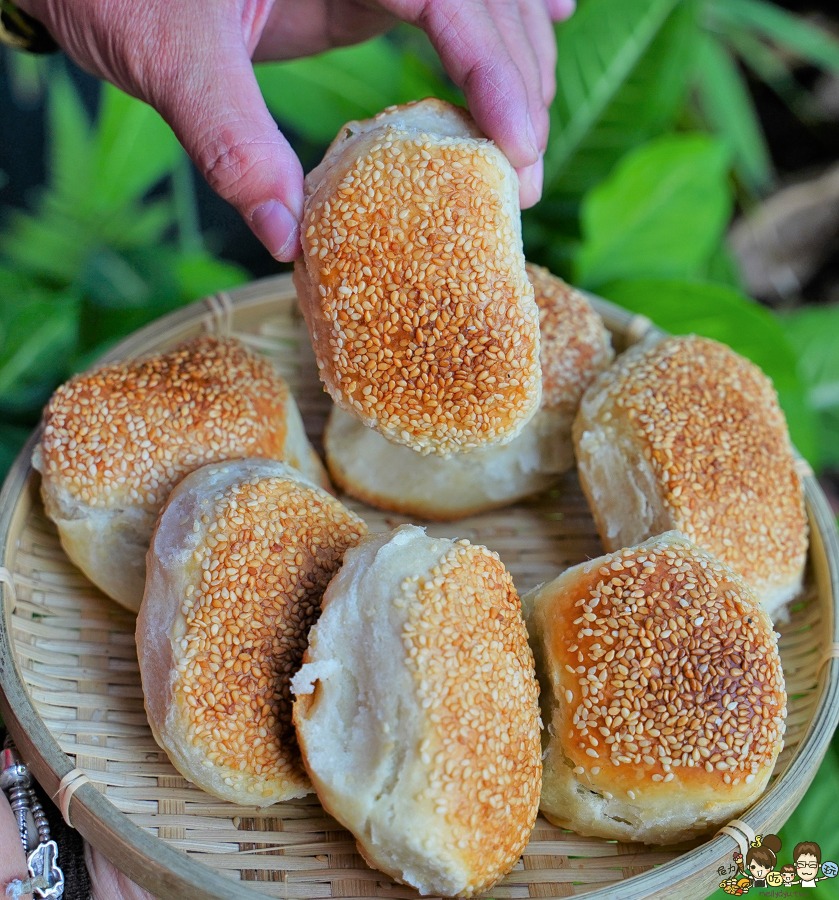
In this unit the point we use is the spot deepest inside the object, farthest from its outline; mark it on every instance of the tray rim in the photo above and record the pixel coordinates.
(153, 864)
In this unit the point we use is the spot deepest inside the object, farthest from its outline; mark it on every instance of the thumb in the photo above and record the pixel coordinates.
(216, 109)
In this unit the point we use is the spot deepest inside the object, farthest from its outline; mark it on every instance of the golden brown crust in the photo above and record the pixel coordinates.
(666, 690)
(231, 595)
(575, 344)
(708, 423)
(469, 609)
(575, 347)
(684, 638)
(128, 432)
(413, 286)
(417, 711)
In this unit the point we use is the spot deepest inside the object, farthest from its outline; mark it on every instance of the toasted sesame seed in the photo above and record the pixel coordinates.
(575, 344)
(435, 275)
(709, 423)
(127, 433)
(247, 621)
(687, 699)
(483, 701)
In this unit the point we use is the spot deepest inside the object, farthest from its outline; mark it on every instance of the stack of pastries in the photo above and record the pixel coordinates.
(282, 649)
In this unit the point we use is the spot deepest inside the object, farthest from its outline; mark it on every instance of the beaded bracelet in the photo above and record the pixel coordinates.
(46, 880)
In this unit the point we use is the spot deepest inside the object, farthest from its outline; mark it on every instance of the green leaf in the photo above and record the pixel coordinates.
(722, 268)
(598, 48)
(49, 246)
(27, 74)
(123, 289)
(771, 65)
(70, 144)
(134, 149)
(200, 275)
(12, 283)
(813, 333)
(660, 214)
(718, 312)
(98, 178)
(186, 207)
(317, 95)
(44, 338)
(644, 105)
(727, 107)
(139, 225)
(37, 333)
(111, 280)
(787, 30)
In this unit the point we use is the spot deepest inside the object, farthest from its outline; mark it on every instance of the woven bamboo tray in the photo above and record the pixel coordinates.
(71, 688)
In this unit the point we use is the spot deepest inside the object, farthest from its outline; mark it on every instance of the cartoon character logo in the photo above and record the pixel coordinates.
(807, 858)
(760, 859)
(788, 874)
(758, 868)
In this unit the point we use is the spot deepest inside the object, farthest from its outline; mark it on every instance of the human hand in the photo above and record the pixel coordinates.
(191, 60)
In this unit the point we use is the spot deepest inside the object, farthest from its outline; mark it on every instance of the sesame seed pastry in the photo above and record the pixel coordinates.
(417, 711)
(684, 433)
(118, 439)
(575, 346)
(237, 567)
(662, 692)
(412, 281)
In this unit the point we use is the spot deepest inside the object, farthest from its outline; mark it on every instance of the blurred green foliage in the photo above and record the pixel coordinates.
(814, 336)
(662, 212)
(654, 140)
(110, 243)
(654, 137)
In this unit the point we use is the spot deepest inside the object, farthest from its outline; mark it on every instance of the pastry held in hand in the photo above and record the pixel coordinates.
(687, 434)
(118, 439)
(412, 281)
(662, 693)
(236, 570)
(575, 346)
(417, 711)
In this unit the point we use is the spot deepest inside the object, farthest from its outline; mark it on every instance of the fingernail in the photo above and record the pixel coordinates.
(530, 183)
(539, 174)
(531, 135)
(560, 10)
(274, 224)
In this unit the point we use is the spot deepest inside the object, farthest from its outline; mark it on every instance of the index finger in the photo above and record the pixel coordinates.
(476, 58)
